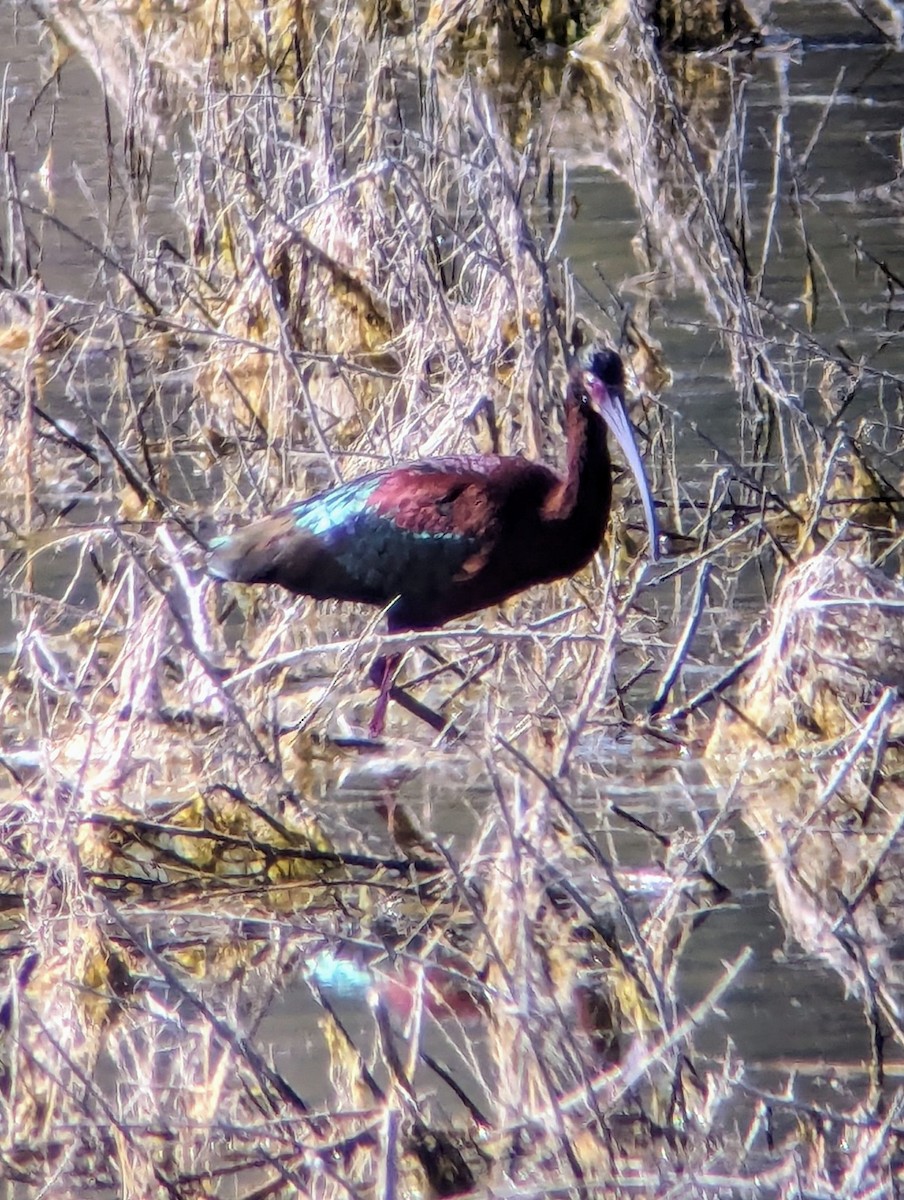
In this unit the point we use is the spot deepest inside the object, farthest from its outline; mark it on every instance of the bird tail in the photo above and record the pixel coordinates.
(227, 561)
(268, 551)
(249, 556)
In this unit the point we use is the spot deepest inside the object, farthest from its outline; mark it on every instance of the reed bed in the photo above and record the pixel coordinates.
(245, 951)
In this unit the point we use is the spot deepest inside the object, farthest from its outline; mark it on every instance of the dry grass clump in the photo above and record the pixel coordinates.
(812, 744)
(831, 663)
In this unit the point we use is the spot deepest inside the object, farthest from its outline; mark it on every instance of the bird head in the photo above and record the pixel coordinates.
(603, 378)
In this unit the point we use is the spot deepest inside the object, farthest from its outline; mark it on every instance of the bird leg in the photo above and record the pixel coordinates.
(382, 674)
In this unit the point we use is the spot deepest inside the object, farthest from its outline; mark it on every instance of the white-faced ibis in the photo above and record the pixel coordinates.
(443, 537)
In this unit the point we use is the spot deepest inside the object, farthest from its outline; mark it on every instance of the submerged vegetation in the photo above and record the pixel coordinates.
(247, 951)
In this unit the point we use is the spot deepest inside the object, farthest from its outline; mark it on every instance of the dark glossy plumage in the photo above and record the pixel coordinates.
(444, 537)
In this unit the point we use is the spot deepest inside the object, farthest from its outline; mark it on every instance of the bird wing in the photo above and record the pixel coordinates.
(404, 532)
(442, 498)
(462, 500)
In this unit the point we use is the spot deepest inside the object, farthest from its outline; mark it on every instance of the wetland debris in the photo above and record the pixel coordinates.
(833, 658)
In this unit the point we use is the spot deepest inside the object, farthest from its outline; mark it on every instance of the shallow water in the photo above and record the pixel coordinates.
(787, 1013)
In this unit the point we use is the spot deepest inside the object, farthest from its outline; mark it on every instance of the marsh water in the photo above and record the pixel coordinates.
(825, 87)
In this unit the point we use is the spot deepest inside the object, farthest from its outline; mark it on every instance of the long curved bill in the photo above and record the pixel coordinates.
(611, 405)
